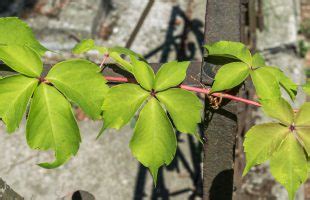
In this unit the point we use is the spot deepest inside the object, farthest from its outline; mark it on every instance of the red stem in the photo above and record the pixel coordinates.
(194, 89)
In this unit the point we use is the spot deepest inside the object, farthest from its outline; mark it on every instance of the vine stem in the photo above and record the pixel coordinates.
(194, 89)
(105, 57)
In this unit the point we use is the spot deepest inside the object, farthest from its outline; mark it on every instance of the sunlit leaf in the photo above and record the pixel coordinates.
(170, 74)
(303, 133)
(266, 85)
(230, 76)
(306, 88)
(303, 115)
(121, 103)
(14, 31)
(15, 93)
(51, 125)
(143, 73)
(279, 109)
(87, 45)
(154, 141)
(289, 86)
(228, 49)
(261, 141)
(81, 82)
(258, 61)
(184, 108)
(289, 165)
(22, 59)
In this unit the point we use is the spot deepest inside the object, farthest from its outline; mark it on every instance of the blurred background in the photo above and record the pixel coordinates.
(161, 30)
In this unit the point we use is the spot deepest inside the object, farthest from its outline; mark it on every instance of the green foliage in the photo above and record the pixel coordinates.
(283, 143)
(51, 125)
(81, 82)
(87, 45)
(22, 59)
(267, 80)
(154, 140)
(14, 31)
(15, 93)
(170, 74)
(230, 75)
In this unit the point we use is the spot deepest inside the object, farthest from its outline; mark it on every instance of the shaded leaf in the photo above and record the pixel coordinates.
(153, 144)
(230, 49)
(289, 165)
(143, 73)
(170, 74)
(184, 108)
(15, 93)
(22, 59)
(81, 82)
(121, 103)
(261, 141)
(266, 85)
(14, 31)
(51, 125)
(279, 109)
(230, 76)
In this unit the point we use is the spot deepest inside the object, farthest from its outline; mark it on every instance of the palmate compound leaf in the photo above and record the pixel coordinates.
(121, 104)
(51, 125)
(265, 83)
(143, 73)
(258, 61)
(81, 82)
(235, 50)
(14, 31)
(170, 75)
(230, 76)
(154, 141)
(261, 141)
(302, 123)
(184, 108)
(15, 93)
(22, 59)
(289, 165)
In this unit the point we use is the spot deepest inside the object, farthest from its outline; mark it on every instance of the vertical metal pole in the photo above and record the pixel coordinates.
(222, 22)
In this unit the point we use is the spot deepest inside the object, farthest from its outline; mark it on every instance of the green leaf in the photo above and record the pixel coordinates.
(22, 59)
(279, 109)
(289, 165)
(84, 46)
(15, 93)
(266, 85)
(258, 61)
(306, 88)
(289, 86)
(87, 45)
(121, 104)
(154, 141)
(14, 31)
(81, 82)
(51, 125)
(116, 52)
(303, 116)
(143, 73)
(184, 108)
(304, 134)
(260, 143)
(235, 50)
(230, 76)
(170, 75)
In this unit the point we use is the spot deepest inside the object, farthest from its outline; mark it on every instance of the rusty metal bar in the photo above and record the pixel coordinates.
(222, 22)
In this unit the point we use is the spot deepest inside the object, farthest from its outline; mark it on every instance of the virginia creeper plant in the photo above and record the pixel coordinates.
(51, 124)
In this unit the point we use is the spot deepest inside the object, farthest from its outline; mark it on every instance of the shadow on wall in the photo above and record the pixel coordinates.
(184, 50)
(15, 7)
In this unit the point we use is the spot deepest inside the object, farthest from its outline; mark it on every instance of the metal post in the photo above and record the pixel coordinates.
(222, 22)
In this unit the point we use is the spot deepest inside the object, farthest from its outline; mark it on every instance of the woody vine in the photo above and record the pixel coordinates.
(284, 142)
